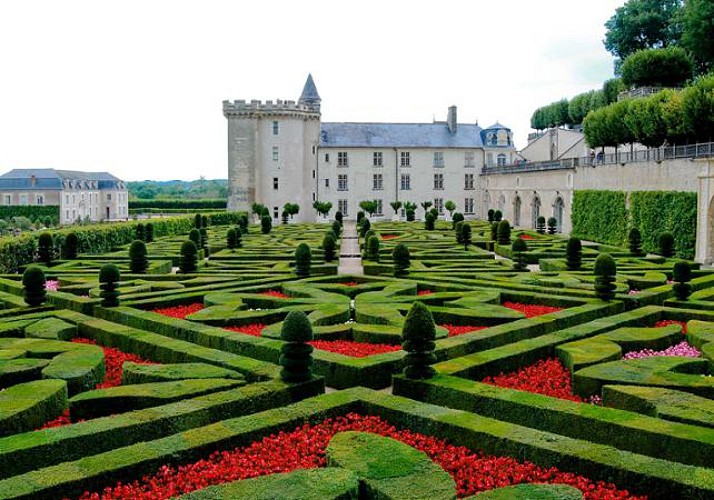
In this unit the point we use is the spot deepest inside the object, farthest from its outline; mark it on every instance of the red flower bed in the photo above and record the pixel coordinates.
(455, 330)
(666, 322)
(525, 237)
(58, 421)
(254, 329)
(389, 236)
(350, 283)
(547, 377)
(179, 312)
(531, 310)
(304, 448)
(275, 293)
(113, 361)
(354, 349)
(425, 292)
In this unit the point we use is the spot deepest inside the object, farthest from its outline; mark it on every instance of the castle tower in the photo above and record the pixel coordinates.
(272, 150)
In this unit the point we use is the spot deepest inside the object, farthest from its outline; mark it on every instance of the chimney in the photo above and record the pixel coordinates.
(451, 119)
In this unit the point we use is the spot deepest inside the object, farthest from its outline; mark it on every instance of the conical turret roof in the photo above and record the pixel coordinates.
(309, 92)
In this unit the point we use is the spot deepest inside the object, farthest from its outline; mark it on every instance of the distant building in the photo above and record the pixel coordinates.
(95, 196)
(280, 152)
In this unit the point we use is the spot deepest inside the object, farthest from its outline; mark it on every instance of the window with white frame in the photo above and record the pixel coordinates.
(468, 181)
(377, 159)
(439, 205)
(404, 159)
(438, 158)
(438, 181)
(342, 158)
(8, 199)
(377, 182)
(342, 207)
(342, 182)
(469, 159)
(405, 182)
(39, 199)
(23, 199)
(276, 128)
(276, 212)
(468, 205)
(501, 160)
(276, 153)
(378, 209)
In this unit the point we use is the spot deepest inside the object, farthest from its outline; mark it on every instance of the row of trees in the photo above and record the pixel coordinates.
(685, 116)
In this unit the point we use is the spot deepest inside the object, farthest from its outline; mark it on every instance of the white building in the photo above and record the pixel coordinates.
(93, 196)
(280, 152)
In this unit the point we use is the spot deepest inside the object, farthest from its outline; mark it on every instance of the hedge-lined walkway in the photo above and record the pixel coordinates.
(350, 259)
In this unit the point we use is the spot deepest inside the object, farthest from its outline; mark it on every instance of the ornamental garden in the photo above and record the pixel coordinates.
(212, 357)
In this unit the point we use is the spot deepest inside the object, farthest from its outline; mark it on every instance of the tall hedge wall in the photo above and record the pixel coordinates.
(32, 212)
(599, 216)
(655, 211)
(219, 203)
(98, 238)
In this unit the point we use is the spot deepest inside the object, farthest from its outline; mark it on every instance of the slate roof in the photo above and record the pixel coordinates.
(49, 178)
(399, 135)
(309, 91)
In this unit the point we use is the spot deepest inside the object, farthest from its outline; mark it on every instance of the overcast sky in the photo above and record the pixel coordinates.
(135, 87)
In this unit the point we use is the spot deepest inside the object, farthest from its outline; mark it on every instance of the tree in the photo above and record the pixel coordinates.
(45, 248)
(504, 233)
(457, 217)
(682, 274)
(149, 232)
(552, 225)
(574, 254)
(296, 353)
(369, 206)
(425, 205)
(109, 277)
(188, 260)
(328, 246)
(373, 248)
(429, 221)
(138, 262)
(642, 24)
(466, 235)
(605, 271)
(338, 216)
(303, 260)
(34, 285)
(519, 248)
(323, 208)
(450, 206)
(198, 220)
(364, 226)
(418, 336)
(291, 209)
(668, 67)
(259, 210)
(396, 205)
(665, 242)
(231, 239)
(195, 236)
(139, 232)
(401, 258)
(698, 109)
(698, 32)
(266, 224)
(71, 244)
(634, 239)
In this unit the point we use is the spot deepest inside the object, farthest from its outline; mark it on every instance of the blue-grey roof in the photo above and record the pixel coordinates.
(497, 126)
(49, 178)
(402, 135)
(309, 91)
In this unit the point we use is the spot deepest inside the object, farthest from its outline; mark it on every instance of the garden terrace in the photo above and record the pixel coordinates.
(531, 366)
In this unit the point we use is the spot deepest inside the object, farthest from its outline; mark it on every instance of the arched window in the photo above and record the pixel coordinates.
(536, 210)
(501, 160)
(517, 211)
(558, 210)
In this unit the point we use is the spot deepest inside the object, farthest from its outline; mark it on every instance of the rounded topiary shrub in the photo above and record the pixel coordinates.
(71, 246)
(138, 262)
(338, 217)
(364, 226)
(401, 258)
(243, 223)
(33, 284)
(429, 220)
(540, 224)
(466, 235)
(109, 277)
(373, 248)
(195, 236)
(296, 353)
(504, 233)
(45, 248)
(360, 216)
(197, 221)
(149, 232)
(497, 216)
(634, 240)
(204, 221)
(266, 224)
(605, 271)
(490, 214)
(435, 212)
(552, 225)
(140, 232)
(231, 239)
(665, 243)
(328, 246)
(411, 215)
(574, 254)
(337, 228)
(519, 248)
(188, 261)
(418, 341)
(682, 274)
(456, 218)
(303, 260)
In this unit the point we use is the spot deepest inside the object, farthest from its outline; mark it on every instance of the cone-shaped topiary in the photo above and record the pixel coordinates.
(231, 239)
(266, 224)
(197, 221)
(204, 221)
(360, 216)
(457, 217)
(338, 217)
(490, 213)
(243, 222)
(328, 246)
(364, 226)
(540, 224)
(109, 277)
(239, 237)
(494, 230)
(400, 256)
(149, 232)
(457, 230)
(33, 282)
(418, 335)
(504, 233)
(303, 260)
(466, 235)
(373, 248)
(634, 240)
(666, 244)
(45, 248)
(605, 271)
(195, 236)
(337, 229)
(682, 274)
(138, 263)
(188, 262)
(429, 221)
(140, 232)
(574, 254)
(296, 353)
(552, 225)
(71, 243)
(519, 248)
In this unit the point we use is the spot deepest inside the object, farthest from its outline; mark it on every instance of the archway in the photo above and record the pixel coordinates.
(502, 202)
(558, 210)
(517, 211)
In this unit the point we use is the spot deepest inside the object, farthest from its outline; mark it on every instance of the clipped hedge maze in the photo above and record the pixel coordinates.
(542, 389)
